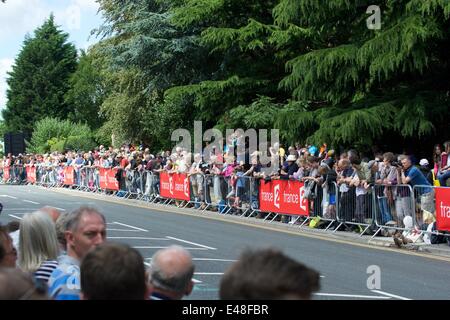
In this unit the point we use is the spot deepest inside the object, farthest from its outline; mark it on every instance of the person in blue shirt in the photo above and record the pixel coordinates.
(412, 175)
(409, 174)
(85, 228)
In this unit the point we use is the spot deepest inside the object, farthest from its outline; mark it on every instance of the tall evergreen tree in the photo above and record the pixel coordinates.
(358, 86)
(147, 54)
(310, 68)
(39, 78)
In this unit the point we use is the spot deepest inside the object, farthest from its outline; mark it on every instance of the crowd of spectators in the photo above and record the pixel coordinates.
(228, 181)
(62, 256)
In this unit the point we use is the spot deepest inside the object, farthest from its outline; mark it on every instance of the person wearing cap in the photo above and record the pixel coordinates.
(289, 168)
(426, 171)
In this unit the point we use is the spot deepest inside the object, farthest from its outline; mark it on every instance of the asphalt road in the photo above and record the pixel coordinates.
(216, 244)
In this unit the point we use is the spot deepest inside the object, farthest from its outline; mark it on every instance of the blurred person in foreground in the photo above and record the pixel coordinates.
(268, 274)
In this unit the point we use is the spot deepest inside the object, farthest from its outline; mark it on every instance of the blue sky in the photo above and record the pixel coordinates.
(19, 17)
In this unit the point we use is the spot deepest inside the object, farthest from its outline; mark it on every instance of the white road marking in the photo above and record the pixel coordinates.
(126, 225)
(145, 247)
(139, 238)
(122, 230)
(209, 259)
(6, 196)
(349, 296)
(29, 201)
(11, 215)
(195, 244)
(209, 273)
(390, 295)
(60, 209)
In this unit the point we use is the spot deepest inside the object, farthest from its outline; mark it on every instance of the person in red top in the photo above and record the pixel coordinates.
(124, 162)
(437, 158)
(444, 170)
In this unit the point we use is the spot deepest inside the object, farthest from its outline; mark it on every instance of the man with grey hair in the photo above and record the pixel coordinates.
(85, 228)
(170, 274)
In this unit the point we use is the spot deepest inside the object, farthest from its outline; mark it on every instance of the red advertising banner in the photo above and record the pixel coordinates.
(31, 174)
(174, 186)
(442, 209)
(68, 176)
(108, 179)
(283, 196)
(6, 174)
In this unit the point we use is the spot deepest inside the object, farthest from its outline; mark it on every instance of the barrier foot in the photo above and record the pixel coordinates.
(367, 228)
(251, 214)
(276, 215)
(375, 234)
(228, 210)
(244, 213)
(187, 203)
(331, 223)
(306, 220)
(293, 223)
(337, 228)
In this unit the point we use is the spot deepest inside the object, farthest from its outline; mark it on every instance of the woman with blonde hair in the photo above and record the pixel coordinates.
(38, 245)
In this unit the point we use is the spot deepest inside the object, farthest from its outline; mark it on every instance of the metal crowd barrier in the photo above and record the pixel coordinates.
(381, 206)
(392, 203)
(217, 189)
(354, 208)
(15, 174)
(425, 209)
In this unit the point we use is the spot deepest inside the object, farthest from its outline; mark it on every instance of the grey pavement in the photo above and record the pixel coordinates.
(343, 259)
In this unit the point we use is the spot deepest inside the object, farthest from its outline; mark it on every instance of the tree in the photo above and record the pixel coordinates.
(361, 86)
(310, 68)
(147, 54)
(87, 92)
(52, 134)
(40, 78)
(245, 69)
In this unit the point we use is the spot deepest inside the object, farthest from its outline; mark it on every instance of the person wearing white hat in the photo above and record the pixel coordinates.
(426, 171)
(289, 168)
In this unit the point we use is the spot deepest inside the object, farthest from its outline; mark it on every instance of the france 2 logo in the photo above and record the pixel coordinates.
(276, 196)
(186, 187)
(303, 200)
(171, 185)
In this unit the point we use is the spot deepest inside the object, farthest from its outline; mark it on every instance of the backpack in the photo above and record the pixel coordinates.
(437, 238)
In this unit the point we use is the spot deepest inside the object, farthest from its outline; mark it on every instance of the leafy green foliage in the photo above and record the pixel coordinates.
(309, 68)
(39, 79)
(86, 92)
(52, 134)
